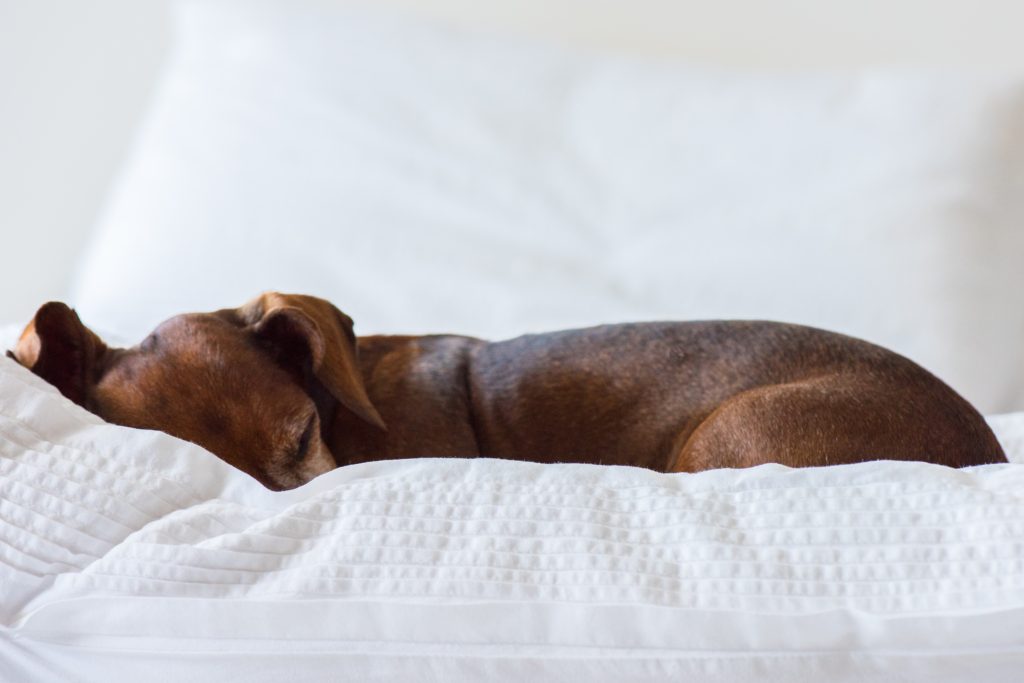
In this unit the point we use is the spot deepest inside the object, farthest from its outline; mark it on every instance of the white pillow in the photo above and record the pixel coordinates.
(430, 181)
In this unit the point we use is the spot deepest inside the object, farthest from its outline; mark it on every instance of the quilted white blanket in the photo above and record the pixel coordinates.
(130, 555)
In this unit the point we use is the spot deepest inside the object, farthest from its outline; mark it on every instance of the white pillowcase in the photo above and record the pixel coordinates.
(430, 181)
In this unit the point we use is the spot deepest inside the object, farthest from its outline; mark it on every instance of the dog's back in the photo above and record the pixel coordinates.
(669, 396)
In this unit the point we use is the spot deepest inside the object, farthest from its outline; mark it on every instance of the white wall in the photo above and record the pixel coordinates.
(74, 78)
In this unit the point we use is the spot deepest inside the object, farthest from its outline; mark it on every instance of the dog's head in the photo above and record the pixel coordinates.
(257, 385)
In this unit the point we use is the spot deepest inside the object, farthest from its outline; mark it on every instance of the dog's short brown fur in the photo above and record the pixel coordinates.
(281, 389)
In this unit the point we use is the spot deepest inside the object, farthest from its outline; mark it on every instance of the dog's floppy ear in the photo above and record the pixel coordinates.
(306, 330)
(60, 349)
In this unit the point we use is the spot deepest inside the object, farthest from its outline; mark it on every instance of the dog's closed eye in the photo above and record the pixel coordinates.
(307, 435)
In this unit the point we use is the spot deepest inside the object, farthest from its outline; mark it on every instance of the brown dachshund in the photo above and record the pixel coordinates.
(282, 389)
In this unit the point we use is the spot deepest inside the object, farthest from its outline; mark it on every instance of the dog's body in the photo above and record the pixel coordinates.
(666, 396)
(282, 389)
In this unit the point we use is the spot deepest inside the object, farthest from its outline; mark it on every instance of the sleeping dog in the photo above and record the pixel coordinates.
(282, 389)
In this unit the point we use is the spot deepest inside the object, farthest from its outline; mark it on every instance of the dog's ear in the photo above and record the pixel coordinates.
(60, 349)
(312, 335)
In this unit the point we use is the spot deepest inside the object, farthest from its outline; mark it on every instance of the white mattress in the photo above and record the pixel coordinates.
(130, 555)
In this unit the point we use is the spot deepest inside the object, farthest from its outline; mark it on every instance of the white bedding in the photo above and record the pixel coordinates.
(130, 555)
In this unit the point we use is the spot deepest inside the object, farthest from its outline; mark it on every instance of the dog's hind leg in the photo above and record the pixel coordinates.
(835, 419)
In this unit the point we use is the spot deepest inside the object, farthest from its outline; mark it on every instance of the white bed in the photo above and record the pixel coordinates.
(428, 180)
(131, 555)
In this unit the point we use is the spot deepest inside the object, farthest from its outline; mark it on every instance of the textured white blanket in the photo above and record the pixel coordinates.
(127, 554)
